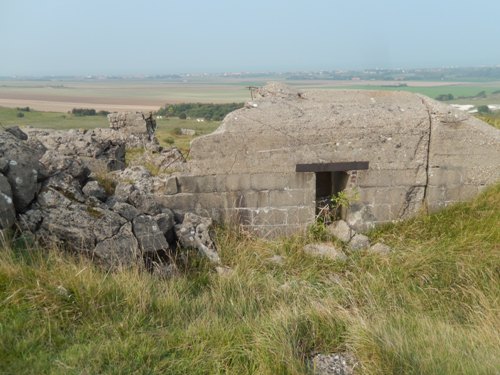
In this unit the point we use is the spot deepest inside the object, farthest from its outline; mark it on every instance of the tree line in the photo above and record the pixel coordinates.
(88, 112)
(207, 111)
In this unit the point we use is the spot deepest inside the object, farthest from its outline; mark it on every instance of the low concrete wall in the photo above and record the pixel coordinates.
(268, 204)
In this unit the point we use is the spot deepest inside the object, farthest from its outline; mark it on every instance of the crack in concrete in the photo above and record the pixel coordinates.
(427, 166)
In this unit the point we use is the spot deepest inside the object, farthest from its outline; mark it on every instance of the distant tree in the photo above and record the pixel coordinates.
(445, 97)
(483, 109)
(84, 112)
(183, 116)
(20, 114)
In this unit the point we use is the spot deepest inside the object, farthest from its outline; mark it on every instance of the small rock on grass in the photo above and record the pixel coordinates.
(341, 230)
(333, 364)
(379, 248)
(224, 271)
(277, 259)
(324, 250)
(359, 242)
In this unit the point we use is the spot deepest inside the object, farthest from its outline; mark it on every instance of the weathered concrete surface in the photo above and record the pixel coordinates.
(420, 152)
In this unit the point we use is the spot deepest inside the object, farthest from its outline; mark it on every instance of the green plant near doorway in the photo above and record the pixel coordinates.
(336, 206)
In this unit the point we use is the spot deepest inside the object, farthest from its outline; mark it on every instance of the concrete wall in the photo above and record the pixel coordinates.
(267, 204)
(421, 153)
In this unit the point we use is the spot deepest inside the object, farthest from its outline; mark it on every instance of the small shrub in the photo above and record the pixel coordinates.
(183, 116)
(483, 109)
(20, 114)
(108, 184)
(169, 140)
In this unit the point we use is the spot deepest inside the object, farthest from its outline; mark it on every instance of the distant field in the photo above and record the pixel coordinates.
(166, 131)
(134, 95)
(456, 90)
(50, 120)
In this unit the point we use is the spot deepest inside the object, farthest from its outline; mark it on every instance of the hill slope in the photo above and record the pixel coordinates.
(431, 307)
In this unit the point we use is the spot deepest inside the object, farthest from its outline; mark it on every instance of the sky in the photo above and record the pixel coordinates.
(94, 37)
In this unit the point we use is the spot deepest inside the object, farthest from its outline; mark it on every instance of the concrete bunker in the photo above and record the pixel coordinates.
(267, 164)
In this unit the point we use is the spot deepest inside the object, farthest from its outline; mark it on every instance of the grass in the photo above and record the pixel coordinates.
(51, 120)
(431, 307)
(493, 119)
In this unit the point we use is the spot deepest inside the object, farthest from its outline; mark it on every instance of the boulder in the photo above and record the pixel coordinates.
(379, 248)
(55, 163)
(23, 169)
(7, 210)
(324, 250)
(125, 210)
(149, 235)
(333, 364)
(122, 249)
(194, 232)
(93, 189)
(17, 132)
(359, 242)
(341, 230)
(165, 221)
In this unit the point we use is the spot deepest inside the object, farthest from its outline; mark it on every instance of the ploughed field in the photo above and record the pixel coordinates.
(149, 95)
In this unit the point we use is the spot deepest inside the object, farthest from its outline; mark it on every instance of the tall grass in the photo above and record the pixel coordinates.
(430, 307)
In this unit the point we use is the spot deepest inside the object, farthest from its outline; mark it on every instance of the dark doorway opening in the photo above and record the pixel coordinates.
(328, 185)
(331, 179)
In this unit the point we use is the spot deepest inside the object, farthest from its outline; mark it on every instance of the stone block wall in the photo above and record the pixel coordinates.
(267, 204)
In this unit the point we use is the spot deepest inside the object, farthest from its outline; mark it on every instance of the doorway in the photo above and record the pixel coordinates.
(328, 185)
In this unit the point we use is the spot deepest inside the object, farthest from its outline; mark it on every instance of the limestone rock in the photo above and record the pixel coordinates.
(224, 271)
(333, 364)
(4, 165)
(165, 221)
(194, 232)
(7, 210)
(23, 169)
(147, 203)
(17, 132)
(324, 250)
(121, 249)
(277, 259)
(359, 241)
(379, 248)
(341, 230)
(93, 189)
(125, 210)
(67, 185)
(55, 163)
(149, 235)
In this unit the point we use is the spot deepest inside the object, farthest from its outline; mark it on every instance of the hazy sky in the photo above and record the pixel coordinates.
(58, 37)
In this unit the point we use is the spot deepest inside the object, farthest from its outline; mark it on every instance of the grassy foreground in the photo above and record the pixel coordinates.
(431, 307)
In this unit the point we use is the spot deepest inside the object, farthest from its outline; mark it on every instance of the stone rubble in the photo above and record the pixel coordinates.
(333, 364)
(50, 186)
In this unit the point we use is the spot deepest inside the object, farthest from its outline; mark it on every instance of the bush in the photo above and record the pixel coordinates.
(20, 114)
(183, 116)
(444, 97)
(483, 109)
(169, 140)
(84, 112)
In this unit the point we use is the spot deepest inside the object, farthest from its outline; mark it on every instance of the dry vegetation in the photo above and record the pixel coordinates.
(431, 307)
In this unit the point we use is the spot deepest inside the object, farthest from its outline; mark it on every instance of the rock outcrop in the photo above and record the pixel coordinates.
(56, 185)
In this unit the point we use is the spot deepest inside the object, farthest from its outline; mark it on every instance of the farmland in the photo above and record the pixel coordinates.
(150, 95)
